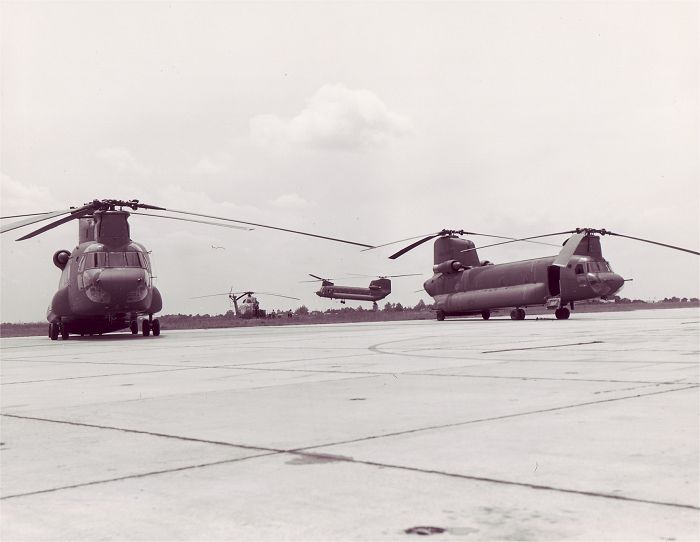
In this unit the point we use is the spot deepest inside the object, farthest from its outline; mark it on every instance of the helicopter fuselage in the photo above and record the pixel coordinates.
(463, 285)
(377, 289)
(104, 288)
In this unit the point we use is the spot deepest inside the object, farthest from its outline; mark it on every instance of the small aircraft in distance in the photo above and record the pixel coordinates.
(106, 281)
(249, 307)
(463, 285)
(378, 289)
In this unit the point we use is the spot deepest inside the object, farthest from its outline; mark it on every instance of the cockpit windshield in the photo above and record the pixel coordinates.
(92, 260)
(599, 267)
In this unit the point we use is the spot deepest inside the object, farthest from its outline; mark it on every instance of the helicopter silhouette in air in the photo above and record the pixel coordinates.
(249, 307)
(106, 281)
(463, 285)
(377, 290)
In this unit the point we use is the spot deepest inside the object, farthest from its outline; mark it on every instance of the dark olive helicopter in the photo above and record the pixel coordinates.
(249, 307)
(106, 282)
(463, 285)
(378, 289)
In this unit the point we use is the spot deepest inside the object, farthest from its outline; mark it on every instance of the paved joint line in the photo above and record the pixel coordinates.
(541, 347)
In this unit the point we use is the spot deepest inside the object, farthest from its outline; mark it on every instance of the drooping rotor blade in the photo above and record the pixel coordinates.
(399, 241)
(396, 276)
(654, 243)
(78, 213)
(194, 220)
(317, 277)
(40, 217)
(272, 228)
(413, 245)
(562, 259)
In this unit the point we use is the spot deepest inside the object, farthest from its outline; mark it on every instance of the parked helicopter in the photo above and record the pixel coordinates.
(378, 289)
(463, 285)
(249, 307)
(106, 282)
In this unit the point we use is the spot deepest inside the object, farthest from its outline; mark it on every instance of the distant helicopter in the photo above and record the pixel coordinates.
(249, 307)
(378, 289)
(463, 285)
(106, 282)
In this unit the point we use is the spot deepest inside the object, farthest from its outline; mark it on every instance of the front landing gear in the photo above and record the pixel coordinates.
(440, 315)
(53, 331)
(486, 315)
(517, 314)
(562, 313)
(150, 325)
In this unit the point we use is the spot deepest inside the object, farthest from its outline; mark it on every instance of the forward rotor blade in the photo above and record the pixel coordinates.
(655, 243)
(78, 213)
(317, 277)
(399, 241)
(41, 216)
(193, 220)
(27, 214)
(272, 228)
(396, 276)
(412, 246)
(267, 293)
(562, 259)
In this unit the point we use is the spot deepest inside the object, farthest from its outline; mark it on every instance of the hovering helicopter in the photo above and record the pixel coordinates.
(249, 307)
(378, 289)
(463, 285)
(106, 281)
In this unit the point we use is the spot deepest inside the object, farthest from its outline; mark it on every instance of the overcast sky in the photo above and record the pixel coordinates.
(368, 121)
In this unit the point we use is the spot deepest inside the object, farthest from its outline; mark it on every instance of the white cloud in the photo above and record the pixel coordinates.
(337, 118)
(122, 160)
(207, 166)
(289, 201)
(20, 197)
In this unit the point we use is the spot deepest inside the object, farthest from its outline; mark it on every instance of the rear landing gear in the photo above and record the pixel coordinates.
(517, 314)
(64, 332)
(155, 327)
(146, 328)
(440, 315)
(562, 313)
(53, 331)
(134, 327)
(486, 315)
(150, 325)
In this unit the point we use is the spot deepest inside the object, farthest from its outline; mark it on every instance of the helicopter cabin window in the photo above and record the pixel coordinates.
(579, 269)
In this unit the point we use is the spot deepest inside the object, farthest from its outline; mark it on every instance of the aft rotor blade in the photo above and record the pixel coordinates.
(399, 241)
(396, 276)
(562, 259)
(524, 239)
(41, 217)
(655, 243)
(317, 277)
(194, 220)
(272, 228)
(27, 214)
(78, 213)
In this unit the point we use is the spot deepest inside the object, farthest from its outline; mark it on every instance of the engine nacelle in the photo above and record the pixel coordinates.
(60, 259)
(450, 266)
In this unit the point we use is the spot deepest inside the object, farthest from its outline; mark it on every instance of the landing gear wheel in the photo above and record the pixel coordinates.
(440, 315)
(134, 327)
(146, 328)
(562, 313)
(517, 314)
(486, 315)
(53, 332)
(155, 326)
(64, 332)
(521, 314)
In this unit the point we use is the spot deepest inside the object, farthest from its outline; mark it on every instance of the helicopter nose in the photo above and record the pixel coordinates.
(121, 283)
(615, 282)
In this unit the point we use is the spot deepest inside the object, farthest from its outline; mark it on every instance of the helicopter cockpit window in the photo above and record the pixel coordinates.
(113, 259)
(579, 269)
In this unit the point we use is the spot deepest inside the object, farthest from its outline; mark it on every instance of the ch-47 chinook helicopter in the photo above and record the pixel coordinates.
(106, 282)
(378, 289)
(249, 307)
(462, 285)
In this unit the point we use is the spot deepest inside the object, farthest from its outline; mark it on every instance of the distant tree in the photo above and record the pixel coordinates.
(420, 306)
(684, 300)
(398, 307)
(302, 311)
(359, 308)
(694, 300)
(388, 307)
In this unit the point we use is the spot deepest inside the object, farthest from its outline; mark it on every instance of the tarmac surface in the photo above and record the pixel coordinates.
(586, 429)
